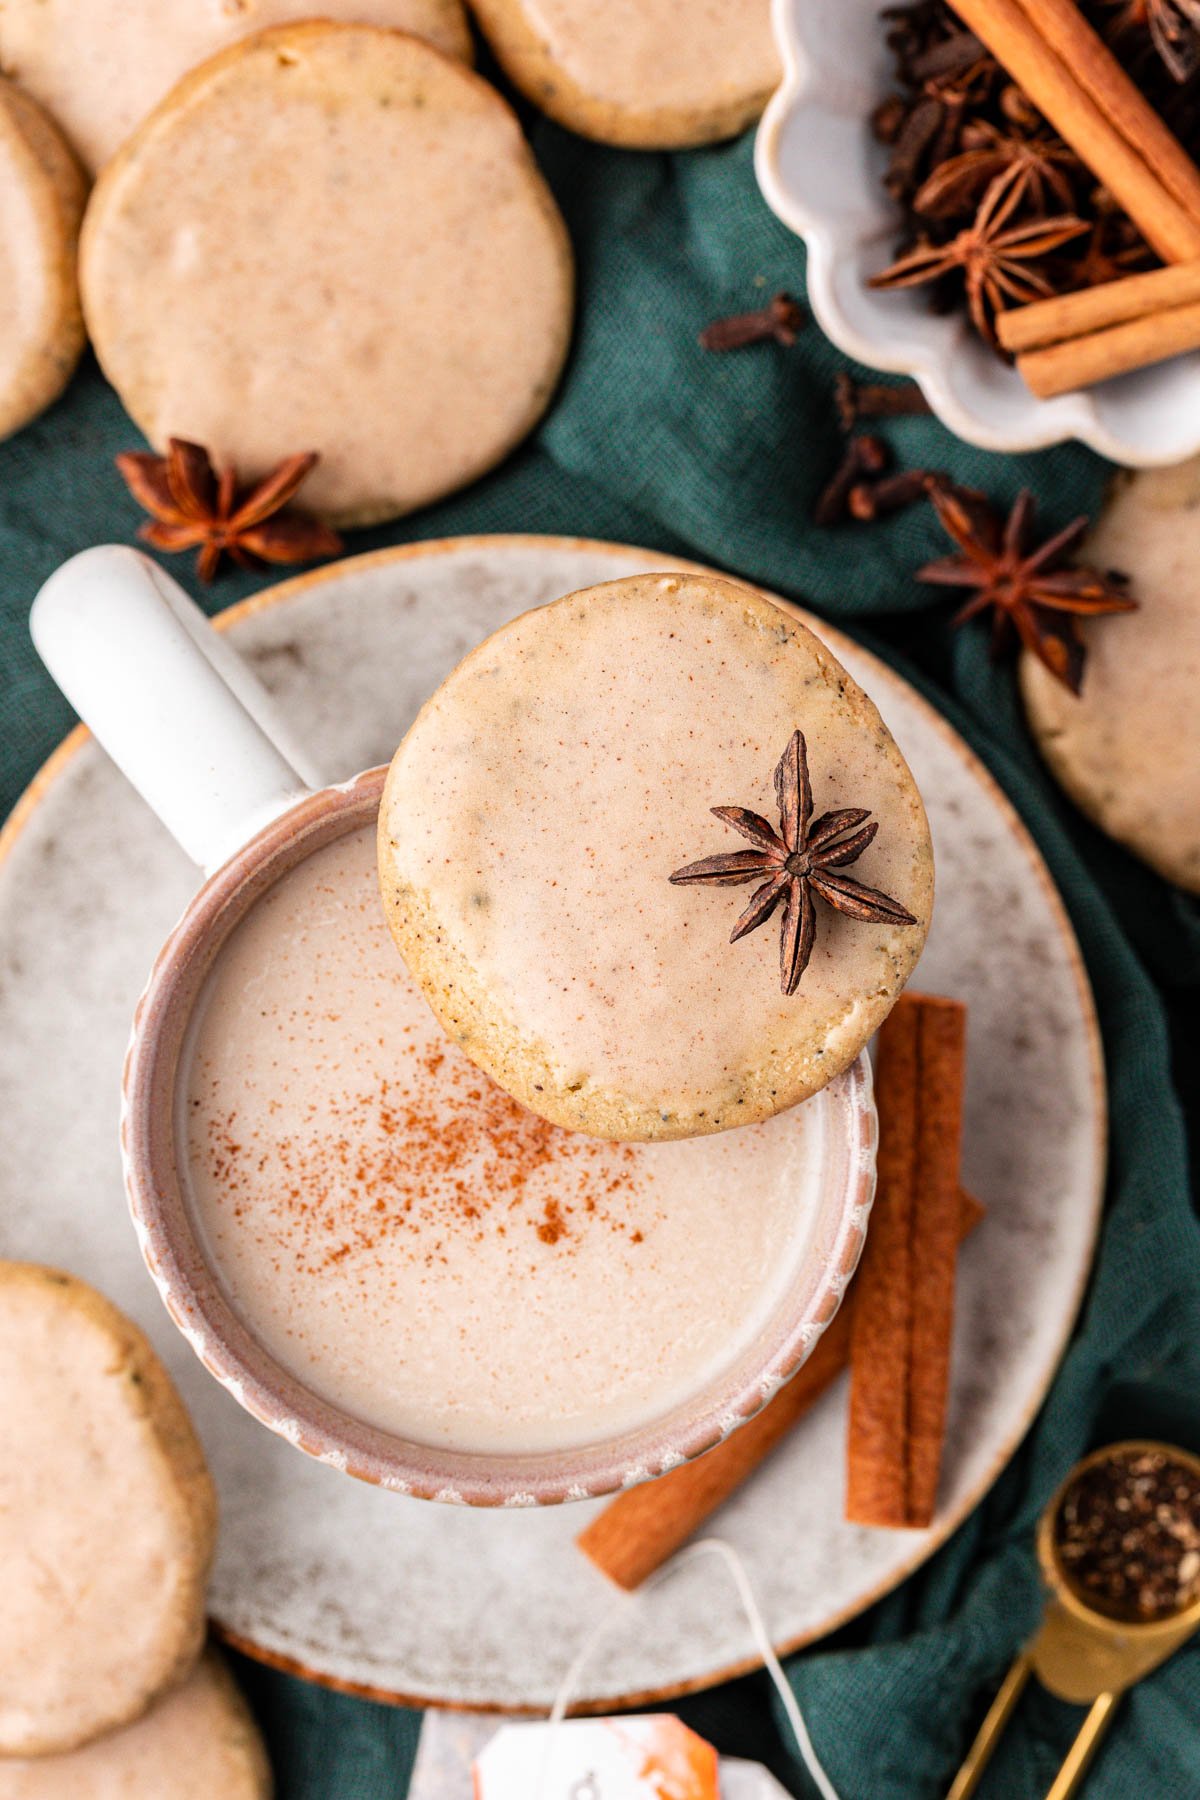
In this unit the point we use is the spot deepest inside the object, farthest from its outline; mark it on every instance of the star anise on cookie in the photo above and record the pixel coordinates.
(798, 861)
(1033, 593)
(192, 506)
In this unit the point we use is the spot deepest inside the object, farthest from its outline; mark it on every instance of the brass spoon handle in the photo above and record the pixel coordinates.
(1084, 1748)
(989, 1733)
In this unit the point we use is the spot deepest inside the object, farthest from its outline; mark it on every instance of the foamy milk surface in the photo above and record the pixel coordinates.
(419, 1249)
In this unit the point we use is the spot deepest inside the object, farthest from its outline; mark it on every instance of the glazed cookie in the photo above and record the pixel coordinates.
(1127, 750)
(100, 67)
(649, 74)
(539, 805)
(198, 1742)
(331, 238)
(109, 1517)
(41, 202)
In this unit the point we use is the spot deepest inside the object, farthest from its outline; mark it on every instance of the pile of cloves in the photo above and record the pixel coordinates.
(864, 485)
(972, 164)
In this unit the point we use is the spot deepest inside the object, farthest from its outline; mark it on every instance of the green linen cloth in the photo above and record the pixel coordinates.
(654, 441)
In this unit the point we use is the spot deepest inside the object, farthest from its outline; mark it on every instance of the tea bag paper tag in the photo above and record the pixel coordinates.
(649, 1756)
(748, 1781)
(451, 1743)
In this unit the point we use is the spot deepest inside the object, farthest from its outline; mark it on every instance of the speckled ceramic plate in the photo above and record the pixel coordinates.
(401, 1598)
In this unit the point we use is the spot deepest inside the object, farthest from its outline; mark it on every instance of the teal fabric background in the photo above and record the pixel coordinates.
(652, 440)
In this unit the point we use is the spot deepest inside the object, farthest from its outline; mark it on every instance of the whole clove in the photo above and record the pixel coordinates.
(857, 400)
(888, 118)
(950, 59)
(917, 132)
(864, 455)
(876, 499)
(782, 319)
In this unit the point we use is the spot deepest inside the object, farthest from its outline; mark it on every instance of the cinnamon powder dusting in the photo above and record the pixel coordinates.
(419, 1250)
(427, 1152)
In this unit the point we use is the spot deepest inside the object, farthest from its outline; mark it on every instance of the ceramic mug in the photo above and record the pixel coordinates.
(190, 726)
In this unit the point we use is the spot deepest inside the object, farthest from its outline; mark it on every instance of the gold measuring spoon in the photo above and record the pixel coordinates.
(1078, 1653)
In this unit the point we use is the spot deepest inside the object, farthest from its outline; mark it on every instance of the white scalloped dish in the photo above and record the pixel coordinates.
(821, 170)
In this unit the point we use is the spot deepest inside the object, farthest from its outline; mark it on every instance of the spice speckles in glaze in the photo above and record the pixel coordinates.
(331, 238)
(99, 66)
(422, 1252)
(539, 804)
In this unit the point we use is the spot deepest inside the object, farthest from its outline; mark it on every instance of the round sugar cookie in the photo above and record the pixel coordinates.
(100, 66)
(648, 74)
(545, 794)
(42, 192)
(197, 1742)
(331, 238)
(1127, 750)
(109, 1517)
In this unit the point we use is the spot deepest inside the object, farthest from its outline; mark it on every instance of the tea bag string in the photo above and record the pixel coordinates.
(737, 1571)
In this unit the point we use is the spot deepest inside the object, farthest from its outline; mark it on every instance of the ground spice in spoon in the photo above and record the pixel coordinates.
(1128, 1535)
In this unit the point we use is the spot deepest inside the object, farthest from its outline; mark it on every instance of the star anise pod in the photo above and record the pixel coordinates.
(1174, 27)
(192, 506)
(993, 255)
(799, 860)
(1041, 164)
(1033, 593)
(1114, 248)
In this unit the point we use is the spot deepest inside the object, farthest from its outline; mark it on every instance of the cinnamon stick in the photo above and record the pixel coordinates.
(1099, 355)
(877, 1451)
(1066, 316)
(641, 1528)
(943, 1049)
(904, 1302)
(1067, 33)
(1121, 143)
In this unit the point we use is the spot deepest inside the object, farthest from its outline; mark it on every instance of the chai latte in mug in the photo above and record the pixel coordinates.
(421, 1251)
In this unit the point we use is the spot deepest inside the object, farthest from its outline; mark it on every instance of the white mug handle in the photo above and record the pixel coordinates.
(173, 704)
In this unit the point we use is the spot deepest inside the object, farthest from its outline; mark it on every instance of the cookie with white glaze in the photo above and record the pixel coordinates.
(646, 74)
(538, 806)
(109, 1517)
(198, 1742)
(331, 238)
(42, 192)
(1127, 749)
(99, 66)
